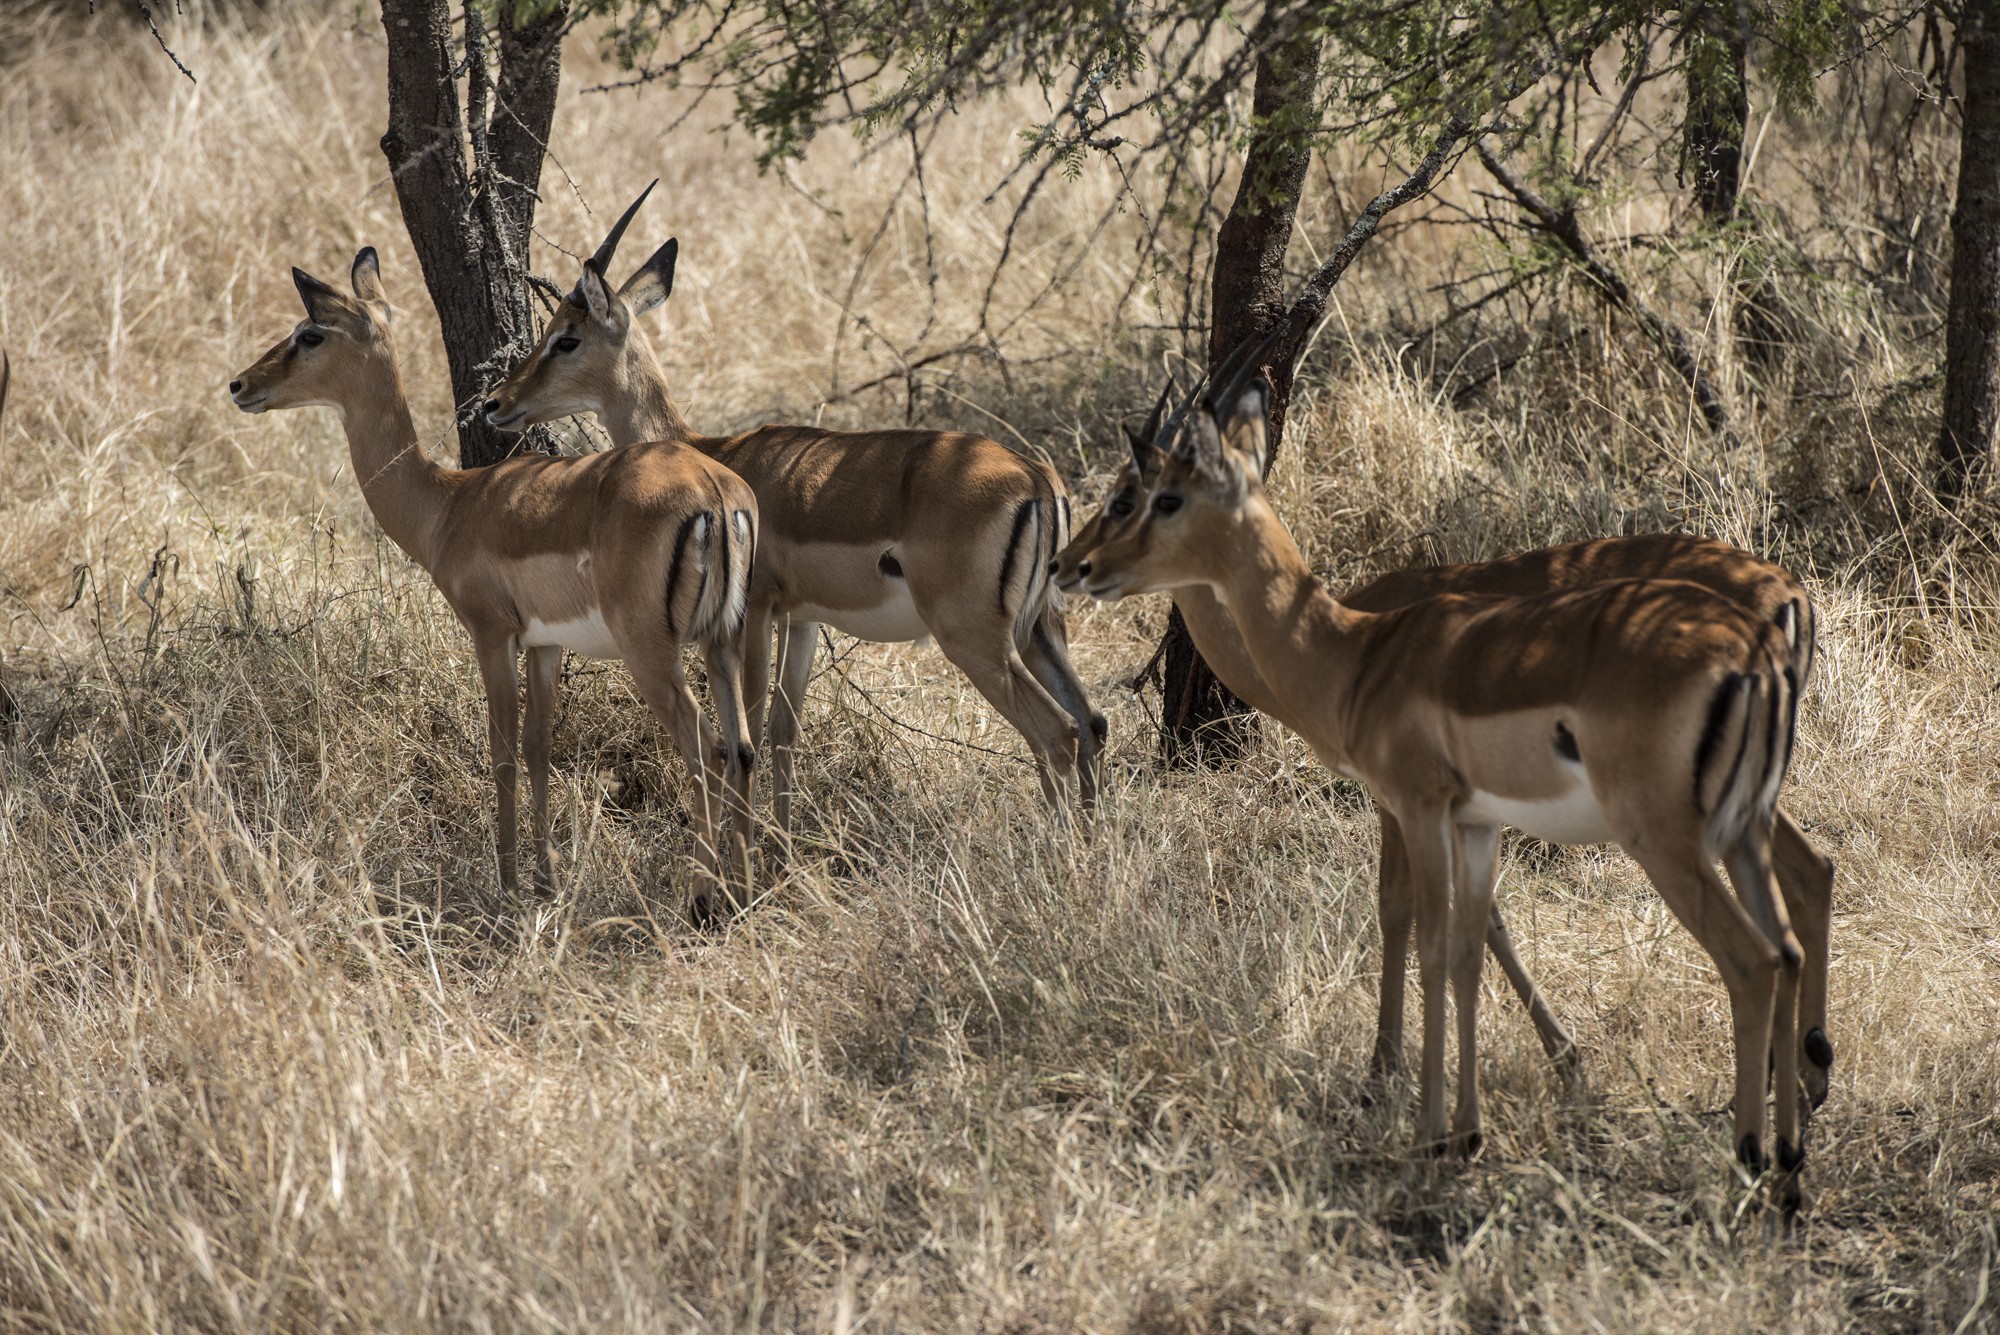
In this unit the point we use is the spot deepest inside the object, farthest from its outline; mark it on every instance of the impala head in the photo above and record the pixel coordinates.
(1191, 479)
(1123, 498)
(593, 349)
(343, 335)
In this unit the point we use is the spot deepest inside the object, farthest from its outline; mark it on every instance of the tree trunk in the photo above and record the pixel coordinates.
(1201, 720)
(470, 219)
(1972, 324)
(1718, 96)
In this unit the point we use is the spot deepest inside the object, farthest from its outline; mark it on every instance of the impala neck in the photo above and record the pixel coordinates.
(640, 409)
(1303, 643)
(405, 491)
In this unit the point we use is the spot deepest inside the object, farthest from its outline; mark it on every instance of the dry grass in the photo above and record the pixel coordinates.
(269, 1065)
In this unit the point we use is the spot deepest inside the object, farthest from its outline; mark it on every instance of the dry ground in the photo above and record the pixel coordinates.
(267, 1061)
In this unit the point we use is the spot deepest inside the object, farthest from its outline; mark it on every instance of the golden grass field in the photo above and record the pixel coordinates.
(271, 1063)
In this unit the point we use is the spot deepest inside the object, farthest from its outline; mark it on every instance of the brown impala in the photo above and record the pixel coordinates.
(1765, 590)
(884, 535)
(628, 554)
(1654, 713)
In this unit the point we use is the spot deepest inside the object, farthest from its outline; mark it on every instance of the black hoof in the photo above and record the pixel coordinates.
(1751, 1155)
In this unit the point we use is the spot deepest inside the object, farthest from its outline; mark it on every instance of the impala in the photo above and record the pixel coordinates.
(1653, 713)
(631, 553)
(1766, 591)
(884, 535)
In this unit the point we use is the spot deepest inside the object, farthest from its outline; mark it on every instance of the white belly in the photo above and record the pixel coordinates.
(586, 635)
(891, 621)
(1573, 818)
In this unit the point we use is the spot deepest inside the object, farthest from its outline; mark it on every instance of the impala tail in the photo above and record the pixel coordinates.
(1745, 749)
(708, 577)
(1040, 530)
(1801, 631)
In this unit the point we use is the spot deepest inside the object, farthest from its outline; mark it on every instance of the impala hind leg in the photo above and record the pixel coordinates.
(1046, 653)
(998, 673)
(1556, 1040)
(1749, 864)
(543, 664)
(663, 686)
(795, 660)
(1805, 876)
(735, 759)
(1747, 961)
(498, 673)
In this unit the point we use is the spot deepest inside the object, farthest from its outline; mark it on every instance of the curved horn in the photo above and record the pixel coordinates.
(1245, 366)
(1148, 433)
(609, 247)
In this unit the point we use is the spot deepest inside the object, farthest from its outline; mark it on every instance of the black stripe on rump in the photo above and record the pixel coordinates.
(1711, 735)
(1791, 717)
(1021, 518)
(674, 570)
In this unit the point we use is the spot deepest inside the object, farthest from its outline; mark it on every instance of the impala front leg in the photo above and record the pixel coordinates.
(1476, 865)
(756, 669)
(543, 664)
(795, 660)
(497, 672)
(1394, 907)
(1427, 844)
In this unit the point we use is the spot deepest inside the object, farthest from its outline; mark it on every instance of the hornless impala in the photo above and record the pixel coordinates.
(1655, 713)
(1766, 591)
(884, 535)
(630, 553)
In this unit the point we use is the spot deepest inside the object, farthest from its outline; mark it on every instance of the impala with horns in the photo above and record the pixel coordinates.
(632, 553)
(1656, 714)
(884, 535)
(1765, 590)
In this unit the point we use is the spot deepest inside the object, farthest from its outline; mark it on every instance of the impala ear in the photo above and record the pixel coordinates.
(652, 282)
(595, 293)
(323, 303)
(1201, 451)
(1246, 425)
(366, 277)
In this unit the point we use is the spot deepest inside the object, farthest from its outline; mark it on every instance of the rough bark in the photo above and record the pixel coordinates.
(1972, 323)
(1718, 95)
(469, 213)
(1201, 720)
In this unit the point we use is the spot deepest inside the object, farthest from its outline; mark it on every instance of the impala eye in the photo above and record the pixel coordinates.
(568, 343)
(1120, 505)
(310, 339)
(1166, 503)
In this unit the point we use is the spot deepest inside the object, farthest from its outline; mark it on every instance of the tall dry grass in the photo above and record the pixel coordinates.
(270, 1063)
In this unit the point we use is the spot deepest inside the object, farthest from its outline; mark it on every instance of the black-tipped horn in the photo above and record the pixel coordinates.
(609, 248)
(1148, 435)
(1246, 361)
